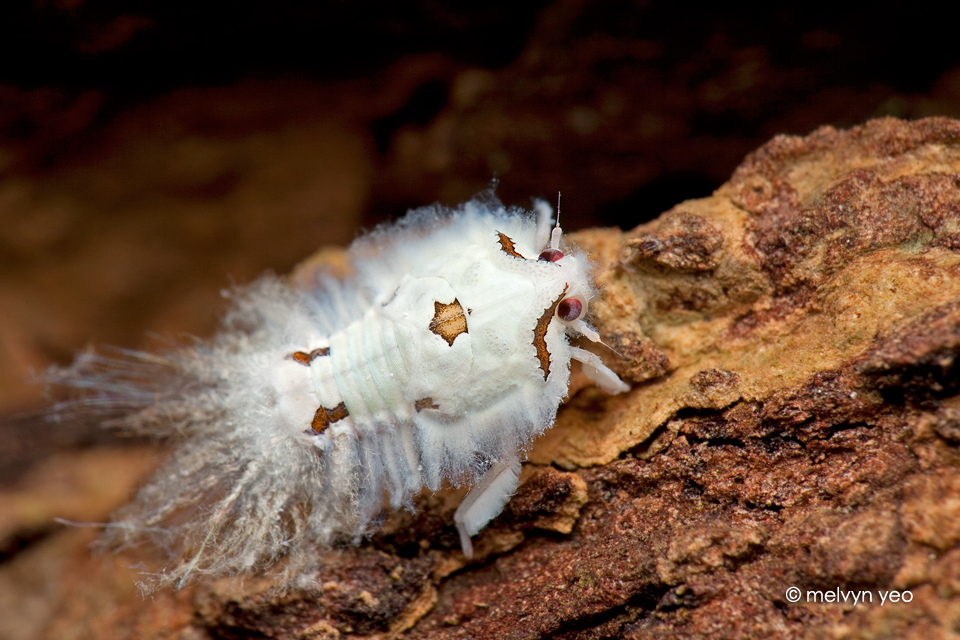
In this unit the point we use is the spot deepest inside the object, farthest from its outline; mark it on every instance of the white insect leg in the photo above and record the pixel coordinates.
(485, 501)
(598, 372)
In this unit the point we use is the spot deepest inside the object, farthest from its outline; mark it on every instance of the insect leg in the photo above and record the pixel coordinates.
(486, 500)
(598, 372)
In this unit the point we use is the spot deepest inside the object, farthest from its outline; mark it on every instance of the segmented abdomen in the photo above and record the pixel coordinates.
(362, 406)
(367, 367)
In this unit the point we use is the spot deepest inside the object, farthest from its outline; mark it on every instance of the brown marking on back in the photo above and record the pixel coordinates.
(320, 421)
(323, 418)
(506, 245)
(425, 403)
(449, 321)
(306, 358)
(540, 332)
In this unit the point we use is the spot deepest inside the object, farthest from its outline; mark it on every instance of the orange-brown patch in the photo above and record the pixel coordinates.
(540, 332)
(425, 403)
(305, 358)
(506, 245)
(449, 320)
(323, 418)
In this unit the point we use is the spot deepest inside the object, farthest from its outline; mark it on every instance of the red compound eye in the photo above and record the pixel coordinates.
(569, 309)
(550, 255)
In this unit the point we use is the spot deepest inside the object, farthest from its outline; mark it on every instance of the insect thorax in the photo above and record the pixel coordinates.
(466, 331)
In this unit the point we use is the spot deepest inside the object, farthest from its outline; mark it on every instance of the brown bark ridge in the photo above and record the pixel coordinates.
(794, 422)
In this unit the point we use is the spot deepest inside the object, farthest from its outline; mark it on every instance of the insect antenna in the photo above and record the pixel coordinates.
(591, 335)
(557, 232)
(617, 353)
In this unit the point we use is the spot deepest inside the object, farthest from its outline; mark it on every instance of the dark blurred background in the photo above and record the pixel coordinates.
(153, 153)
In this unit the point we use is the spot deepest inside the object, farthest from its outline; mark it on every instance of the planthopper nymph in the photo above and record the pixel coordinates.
(442, 356)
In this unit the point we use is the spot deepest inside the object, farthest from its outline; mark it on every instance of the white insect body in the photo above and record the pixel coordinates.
(442, 357)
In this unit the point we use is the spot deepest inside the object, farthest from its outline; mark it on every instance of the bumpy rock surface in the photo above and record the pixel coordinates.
(794, 422)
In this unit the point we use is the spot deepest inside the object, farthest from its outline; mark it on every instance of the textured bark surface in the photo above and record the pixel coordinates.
(795, 421)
